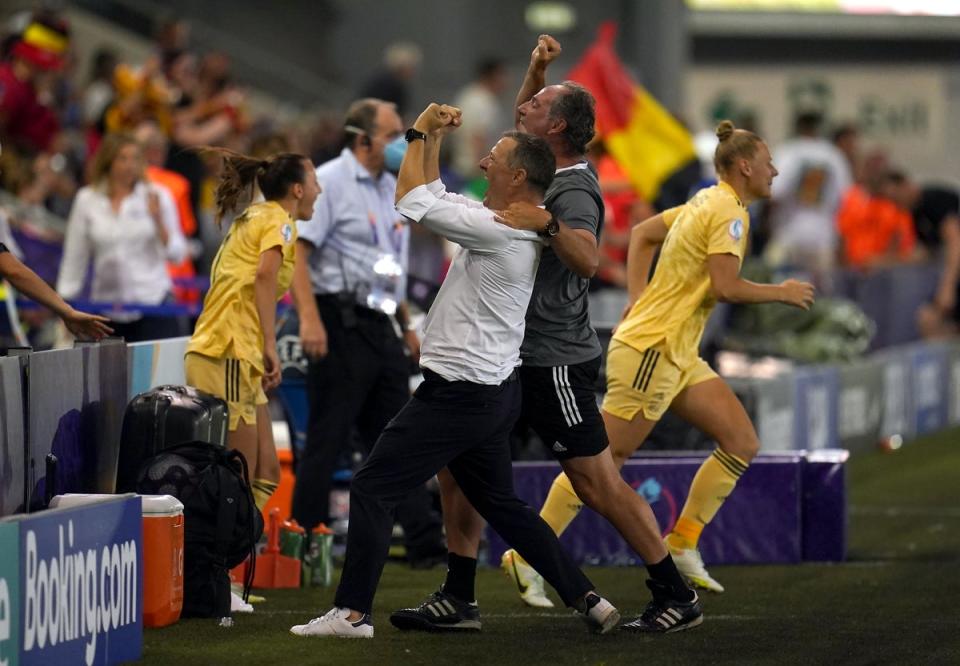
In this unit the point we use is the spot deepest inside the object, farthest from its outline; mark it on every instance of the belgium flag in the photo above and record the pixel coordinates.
(645, 140)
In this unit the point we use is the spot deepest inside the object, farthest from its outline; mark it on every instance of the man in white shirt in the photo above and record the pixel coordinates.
(462, 414)
(483, 118)
(814, 175)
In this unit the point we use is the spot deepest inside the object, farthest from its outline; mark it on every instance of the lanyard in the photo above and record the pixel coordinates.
(393, 237)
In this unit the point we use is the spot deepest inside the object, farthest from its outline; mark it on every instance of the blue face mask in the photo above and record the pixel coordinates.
(393, 153)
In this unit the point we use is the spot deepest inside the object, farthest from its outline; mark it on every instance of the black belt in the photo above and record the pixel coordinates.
(345, 299)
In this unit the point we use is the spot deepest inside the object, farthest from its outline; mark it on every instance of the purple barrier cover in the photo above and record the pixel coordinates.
(761, 522)
(824, 506)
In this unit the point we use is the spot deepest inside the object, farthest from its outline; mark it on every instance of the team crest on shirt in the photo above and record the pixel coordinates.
(736, 229)
(287, 232)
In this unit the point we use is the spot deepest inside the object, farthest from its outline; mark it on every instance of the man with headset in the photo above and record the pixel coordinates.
(349, 283)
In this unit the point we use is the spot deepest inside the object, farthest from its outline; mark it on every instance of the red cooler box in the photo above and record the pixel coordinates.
(162, 554)
(162, 560)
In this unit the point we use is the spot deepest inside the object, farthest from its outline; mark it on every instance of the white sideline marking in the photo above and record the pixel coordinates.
(502, 616)
(896, 511)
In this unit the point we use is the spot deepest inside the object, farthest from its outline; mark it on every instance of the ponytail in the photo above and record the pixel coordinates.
(734, 144)
(275, 176)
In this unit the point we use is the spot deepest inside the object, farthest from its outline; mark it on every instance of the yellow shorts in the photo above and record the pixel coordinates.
(232, 379)
(646, 381)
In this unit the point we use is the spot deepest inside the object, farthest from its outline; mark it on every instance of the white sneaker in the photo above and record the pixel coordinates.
(690, 565)
(335, 623)
(238, 605)
(601, 616)
(252, 598)
(529, 583)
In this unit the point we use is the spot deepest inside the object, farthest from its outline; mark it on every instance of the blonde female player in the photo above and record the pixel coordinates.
(232, 353)
(653, 361)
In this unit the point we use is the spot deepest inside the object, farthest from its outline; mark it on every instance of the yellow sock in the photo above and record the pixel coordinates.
(262, 490)
(560, 508)
(712, 485)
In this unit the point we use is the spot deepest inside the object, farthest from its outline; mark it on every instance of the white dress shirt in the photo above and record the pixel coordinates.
(129, 260)
(474, 329)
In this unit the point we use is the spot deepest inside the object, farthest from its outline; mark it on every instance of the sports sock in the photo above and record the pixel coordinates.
(262, 490)
(560, 508)
(713, 483)
(665, 571)
(461, 574)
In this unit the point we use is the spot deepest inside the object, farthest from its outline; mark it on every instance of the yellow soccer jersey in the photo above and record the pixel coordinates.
(676, 304)
(229, 314)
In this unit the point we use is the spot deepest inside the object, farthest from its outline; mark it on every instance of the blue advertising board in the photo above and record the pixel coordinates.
(79, 585)
(816, 391)
(929, 388)
(9, 594)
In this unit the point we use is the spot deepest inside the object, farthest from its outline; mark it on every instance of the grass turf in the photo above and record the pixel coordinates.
(894, 600)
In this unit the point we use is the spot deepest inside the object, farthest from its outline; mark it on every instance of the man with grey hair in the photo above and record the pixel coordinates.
(561, 357)
(461, 415)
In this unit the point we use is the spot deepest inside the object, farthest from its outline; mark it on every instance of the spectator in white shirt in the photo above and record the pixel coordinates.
(129, 229)
(483, 118)
(814, 175)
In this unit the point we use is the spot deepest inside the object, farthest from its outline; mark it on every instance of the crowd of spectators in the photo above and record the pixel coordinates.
(102, 189)
(832, 207)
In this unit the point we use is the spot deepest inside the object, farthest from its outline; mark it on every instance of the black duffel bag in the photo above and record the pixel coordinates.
(221, 521)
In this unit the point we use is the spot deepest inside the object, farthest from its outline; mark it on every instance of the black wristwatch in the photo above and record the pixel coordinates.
(414, 134)
(552, 228)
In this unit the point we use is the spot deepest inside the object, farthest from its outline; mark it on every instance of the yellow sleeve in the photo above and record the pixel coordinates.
(727, 231)
(275, 231)
(670, 215)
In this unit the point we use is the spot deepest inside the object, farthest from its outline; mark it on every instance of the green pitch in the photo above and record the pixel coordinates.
(895, 601)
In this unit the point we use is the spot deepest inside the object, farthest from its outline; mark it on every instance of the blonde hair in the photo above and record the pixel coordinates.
(109, 148)
(734, 144)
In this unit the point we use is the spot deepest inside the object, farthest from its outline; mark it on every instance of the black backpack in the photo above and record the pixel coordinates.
(221, 521)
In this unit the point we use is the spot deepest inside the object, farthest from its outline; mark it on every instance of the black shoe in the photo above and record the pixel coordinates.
(665, 615)
(440, 612)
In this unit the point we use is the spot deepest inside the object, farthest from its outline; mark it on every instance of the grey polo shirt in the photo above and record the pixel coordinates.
(475, 326)
(558, 321)
(354, 225)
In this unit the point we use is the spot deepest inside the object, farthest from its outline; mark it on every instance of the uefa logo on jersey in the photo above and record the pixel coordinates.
(287, 232)
(736, 229)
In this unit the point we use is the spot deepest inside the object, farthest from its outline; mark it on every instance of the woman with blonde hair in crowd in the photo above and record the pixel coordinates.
(128, 228)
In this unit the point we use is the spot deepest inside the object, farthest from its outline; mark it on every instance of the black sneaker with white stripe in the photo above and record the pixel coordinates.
(665, 615)
(440, 612)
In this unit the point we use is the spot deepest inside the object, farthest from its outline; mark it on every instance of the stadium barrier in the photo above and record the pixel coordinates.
(70, 403)
(73, 592)
(787, 508)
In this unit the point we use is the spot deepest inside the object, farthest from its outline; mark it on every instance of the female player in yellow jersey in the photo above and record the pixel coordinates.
(653, 361)
(232, 353)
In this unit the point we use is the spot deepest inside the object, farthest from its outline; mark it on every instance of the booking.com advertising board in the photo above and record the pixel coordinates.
(74, 593)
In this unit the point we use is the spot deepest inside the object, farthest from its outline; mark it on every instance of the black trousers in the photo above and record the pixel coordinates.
(361, 383)
(464, 427)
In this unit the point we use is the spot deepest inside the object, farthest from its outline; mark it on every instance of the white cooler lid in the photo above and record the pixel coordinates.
(161, 505)
(153, 505)
(68, 500)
